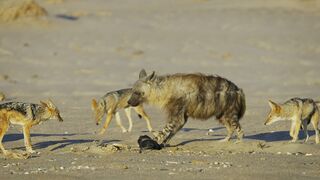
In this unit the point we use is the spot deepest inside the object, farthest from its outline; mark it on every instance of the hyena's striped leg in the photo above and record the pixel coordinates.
(229, 128)
(139, 110)
(118, 120)
(27, 139)
(315, 123)
(128, 114)
(4, 125)
(236, 125)
(170, 129)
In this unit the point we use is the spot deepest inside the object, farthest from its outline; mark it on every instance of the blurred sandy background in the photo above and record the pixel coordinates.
(76, 50)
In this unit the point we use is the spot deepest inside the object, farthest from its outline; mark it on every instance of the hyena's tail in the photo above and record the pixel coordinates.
(241, 100)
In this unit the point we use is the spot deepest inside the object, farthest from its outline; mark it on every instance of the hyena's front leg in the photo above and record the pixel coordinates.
(27, 139)
(171, 128)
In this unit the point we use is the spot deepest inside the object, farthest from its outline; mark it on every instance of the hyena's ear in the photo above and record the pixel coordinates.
(94, 104)
(151, 77)
(273, 105)
(142, 74)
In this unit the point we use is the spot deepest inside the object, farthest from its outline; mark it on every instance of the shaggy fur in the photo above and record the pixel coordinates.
(197, 96)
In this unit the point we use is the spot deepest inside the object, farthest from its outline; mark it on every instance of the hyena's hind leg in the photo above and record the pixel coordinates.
(140, 111)
(118, 120)
(315, 123)
(232, 124)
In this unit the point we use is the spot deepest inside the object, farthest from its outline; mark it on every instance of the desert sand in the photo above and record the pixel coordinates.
(80, 50)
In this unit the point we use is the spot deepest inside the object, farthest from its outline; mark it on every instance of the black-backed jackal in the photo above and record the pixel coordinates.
(196, 96)
(298, 110)
(111, 103)
(26, 115)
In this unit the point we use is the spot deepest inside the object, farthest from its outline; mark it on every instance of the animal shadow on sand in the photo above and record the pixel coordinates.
(268, 137)
(19, 136)
(61, 143)
(276, 136)
(216, 138)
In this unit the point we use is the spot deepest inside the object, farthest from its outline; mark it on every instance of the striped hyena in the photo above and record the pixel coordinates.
(197, 96)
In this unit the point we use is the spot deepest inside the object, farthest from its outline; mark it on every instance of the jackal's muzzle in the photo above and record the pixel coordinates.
(59, 118)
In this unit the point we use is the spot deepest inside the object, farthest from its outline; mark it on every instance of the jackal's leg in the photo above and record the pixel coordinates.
(292, 129)
(296, 130)
(140, 110)
(128, 114)
(106, 124)
(315, 123)
(4, 125)
(27, 139)
(171, 128)
(305, 130)
(118, 120)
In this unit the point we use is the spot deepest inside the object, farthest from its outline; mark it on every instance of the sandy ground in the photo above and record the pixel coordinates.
(270, 49)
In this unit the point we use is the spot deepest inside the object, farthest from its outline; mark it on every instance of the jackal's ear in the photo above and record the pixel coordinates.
(151, 77)
(142, 74)
(50, 103)
(273, 105)
(44, 104)
(94, 104)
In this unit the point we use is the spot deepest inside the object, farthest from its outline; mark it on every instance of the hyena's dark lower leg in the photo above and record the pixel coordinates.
(229, 128)
(171, 128)
(236, 125)
(232, 124)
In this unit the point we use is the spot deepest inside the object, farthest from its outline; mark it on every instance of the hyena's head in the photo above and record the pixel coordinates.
(98, 109)
(274, 114)
(141, 88)
(51, 110)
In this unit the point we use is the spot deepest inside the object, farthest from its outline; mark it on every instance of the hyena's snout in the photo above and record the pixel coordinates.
(134, 101)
